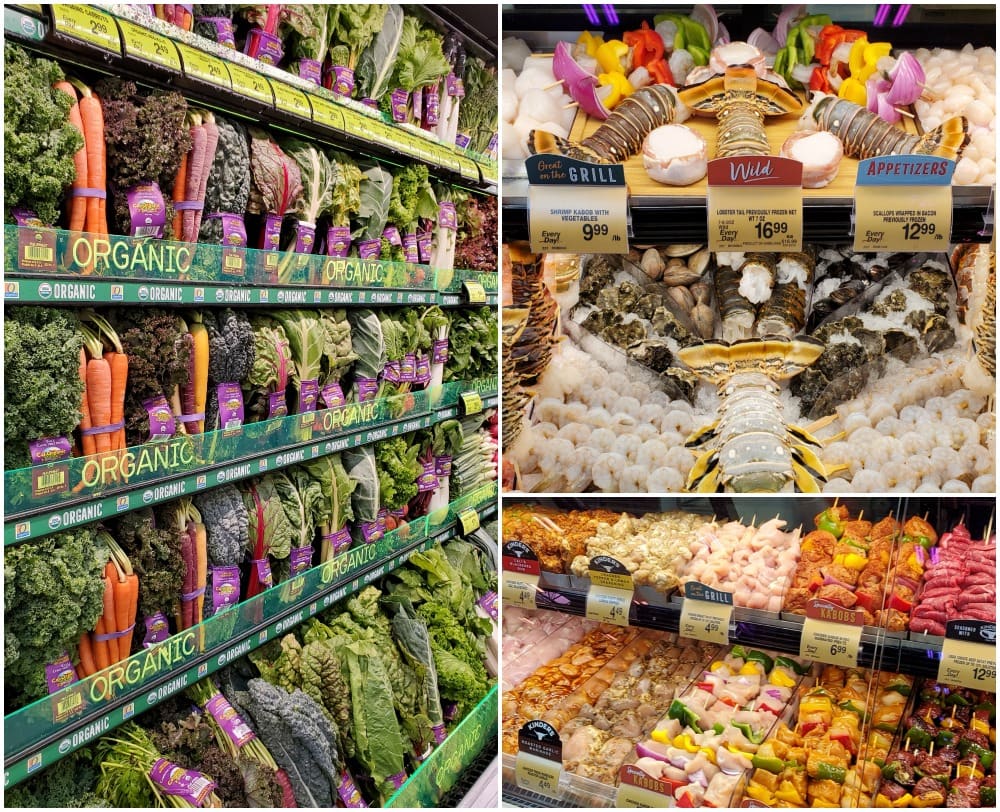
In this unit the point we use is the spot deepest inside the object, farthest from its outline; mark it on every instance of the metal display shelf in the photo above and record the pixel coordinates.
(40, 734)
(665, 219)
(233, 83)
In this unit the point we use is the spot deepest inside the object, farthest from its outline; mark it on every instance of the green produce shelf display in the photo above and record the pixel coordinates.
(40, 734)
(441, 771)
(56, 496)
(213, 74)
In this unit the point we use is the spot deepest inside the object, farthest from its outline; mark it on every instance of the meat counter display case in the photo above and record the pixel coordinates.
(752, 651)
(877, 366)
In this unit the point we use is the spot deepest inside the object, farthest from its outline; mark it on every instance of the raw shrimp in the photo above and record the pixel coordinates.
(665, 480)
(633, 479)
(577, 433)
(607, 470)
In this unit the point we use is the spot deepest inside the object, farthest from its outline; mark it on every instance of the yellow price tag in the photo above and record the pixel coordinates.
(611, 590)
(519, 589)
(754, 204)
(829, 642)
(475, 292)
(472, 403)
(537, 774)
(205, 67)
(141, 43)
(575, 219)
(903, 203)
(468, 518)
(291, 100)
(87, 24)
(355, 124)
(326, 113)
(250, 84)
(969, 655)
(638, 790)
(705, 620)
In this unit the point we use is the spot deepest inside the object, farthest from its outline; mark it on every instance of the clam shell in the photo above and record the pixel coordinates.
(698, 261)
(682, 250)
(682, 298)
(703, 318)
(678, 273)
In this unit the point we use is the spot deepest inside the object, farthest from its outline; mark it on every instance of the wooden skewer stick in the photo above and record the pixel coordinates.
(903, 112)
(989, 527)
(571, 104)
(553, 84)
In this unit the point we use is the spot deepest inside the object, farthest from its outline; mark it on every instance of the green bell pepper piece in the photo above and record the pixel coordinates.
(683, 714)
(698, 54)
(795, 665)
(762, 658)
(988, 796)
(830, 772)
(772, 765)
(748, 731)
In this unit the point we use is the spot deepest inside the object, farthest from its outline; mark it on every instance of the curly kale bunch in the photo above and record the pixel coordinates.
(39, 141)
(231, 354)
(227, 524)
(398, 469)
(42, 387)
(53, 593)
(67, 784)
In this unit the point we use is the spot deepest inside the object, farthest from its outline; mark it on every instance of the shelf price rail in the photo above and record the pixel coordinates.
(40, 734)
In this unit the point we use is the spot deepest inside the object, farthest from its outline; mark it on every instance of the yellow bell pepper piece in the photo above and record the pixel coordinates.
(709, 753)
(980, 726)
(759, 793)
(660, 736)
(752, 667)
(874, 51)
(855, 561)
(620, 88)
(685, 742)
(787, 793)
(781, 679)
(854, 91)
(856, 59)
(716, 665)
(590, 42)
(866, 72)
(612, 56)
(904, 801)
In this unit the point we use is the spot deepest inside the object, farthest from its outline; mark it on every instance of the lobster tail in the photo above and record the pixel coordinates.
(541, 142)
(946, 141)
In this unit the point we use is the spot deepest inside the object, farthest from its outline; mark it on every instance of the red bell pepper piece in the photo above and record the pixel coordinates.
(819, 81)
(659, 72)
(646, 44)
(899, 603)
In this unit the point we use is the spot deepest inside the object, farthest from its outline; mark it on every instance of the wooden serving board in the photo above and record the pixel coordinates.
(777, 128)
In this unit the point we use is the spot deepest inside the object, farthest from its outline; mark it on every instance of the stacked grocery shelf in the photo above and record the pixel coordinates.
(332, 457)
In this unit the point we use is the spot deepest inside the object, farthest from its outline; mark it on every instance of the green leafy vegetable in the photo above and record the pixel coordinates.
(398, 470)
(336, 487)
(376, 190)
(360, 465)
(271, 519)
(367, 342)
(420, 60)
(276, 179)
(228, 188)
(306, 29)
(477, 115)
(346, 202)
(356, 28)
(39, 141)
(376, 62)
(318, 179)
(272, 366)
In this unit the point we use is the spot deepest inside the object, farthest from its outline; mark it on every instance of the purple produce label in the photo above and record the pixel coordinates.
(491, 148)
(339, 540)
(370, 249)
(440, 353)
(308, 396)
(455, 86)
(462, 140)
(271, 240)
(399, 99)
(343, 80)
(349, 794)
(418, 98)
(410, 248)
(225, 587)
(398, 513)
(223, 29)
(391, 233)
(408, 368)
(440, 734)
(371, 532)
(432, 105)
(383, 514)
(392, 372)
(338, 241)
(27, 218)
(311, 70)
(427, 481)
(49, 449)
(161, 419)
(398, 779)
(442, 465)
(192, 786)
(157, 629)
(230, 406)
(264, 575)
(305, 237)
(229, 720)
(60, 673)
(300, 559)
(489, 604)
(265, 47)
(234, 230)
(423, 370)
(367, 102)
(147, 211)
(450, 709)
(447, 218)
(367, 388)
(425, 242)
(333, 395)
(276, 405)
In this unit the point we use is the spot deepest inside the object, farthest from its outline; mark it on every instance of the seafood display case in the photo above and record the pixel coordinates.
(821, 369)
(746, 719)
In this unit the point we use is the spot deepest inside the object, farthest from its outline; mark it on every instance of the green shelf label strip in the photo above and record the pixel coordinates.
(129, 688)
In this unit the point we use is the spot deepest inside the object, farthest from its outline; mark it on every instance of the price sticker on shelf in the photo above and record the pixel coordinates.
(575, 206)
(250, 84)
(141, 43)
(472, 403)
(611, 591)
(204, 67)
(831, 634)
(903, 203)
(639, 790)
(519, 575)
(475, 292)
(327, 113)
(706, 613)
(87, 24)
(468, 518)
(538, 767)
(969, 655)
(356, 124)
(291, 100)
(754, 204)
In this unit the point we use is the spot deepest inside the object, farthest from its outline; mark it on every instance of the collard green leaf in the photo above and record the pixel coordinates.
(376, 63)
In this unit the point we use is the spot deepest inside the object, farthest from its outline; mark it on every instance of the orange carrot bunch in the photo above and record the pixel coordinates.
(111, 640)
(105, 374)
(88, 212)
